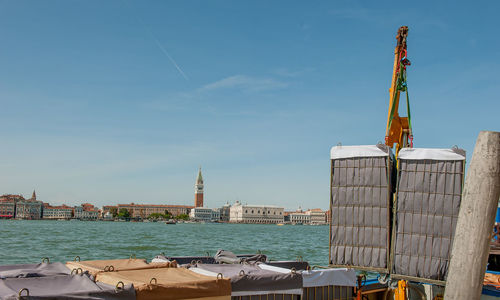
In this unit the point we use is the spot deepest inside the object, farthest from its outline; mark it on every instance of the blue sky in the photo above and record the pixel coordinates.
(120, 101)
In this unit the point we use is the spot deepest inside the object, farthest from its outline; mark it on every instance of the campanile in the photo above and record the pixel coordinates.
(198, 190)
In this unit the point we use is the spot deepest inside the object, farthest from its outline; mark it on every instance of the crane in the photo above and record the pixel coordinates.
(398, 130)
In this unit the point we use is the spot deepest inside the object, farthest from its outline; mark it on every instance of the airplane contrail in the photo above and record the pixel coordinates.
(169, 57)
(158, 43)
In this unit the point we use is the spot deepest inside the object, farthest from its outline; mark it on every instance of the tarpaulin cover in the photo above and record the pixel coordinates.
(288, 264)
(428, 200)
(321, 277)
(361, 194)
(334, 284)
(62, 287)
(169, 283)
(96, 266)
(183, 260)
(251, 278)
(33, 270)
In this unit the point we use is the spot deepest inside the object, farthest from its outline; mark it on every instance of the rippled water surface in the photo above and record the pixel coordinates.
(28, 241)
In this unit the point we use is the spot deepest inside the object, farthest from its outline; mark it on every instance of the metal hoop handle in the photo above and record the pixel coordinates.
(221, 276)
(45, 259)
(77, 257)
(120, 288)
(77, 271)
(109, 268)
(293, 271)
(241, 273)
(132, 256)
(193, 262)
(208, 253)
(22, 290)
(151, 281)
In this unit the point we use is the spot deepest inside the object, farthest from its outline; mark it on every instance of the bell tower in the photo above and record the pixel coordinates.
(198, 190)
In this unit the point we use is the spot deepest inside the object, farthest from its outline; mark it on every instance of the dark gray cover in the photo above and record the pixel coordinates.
(360, 207)
(183, 260)
(330, 292)
(268, 296)
(254, 278)
(63, 287)
(429, 196)
(33, 270)
(289, 264)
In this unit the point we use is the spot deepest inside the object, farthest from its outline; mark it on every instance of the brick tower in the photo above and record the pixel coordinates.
(198, 190)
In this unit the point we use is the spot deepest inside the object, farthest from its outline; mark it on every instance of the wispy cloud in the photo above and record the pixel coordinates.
(245, 83)
(240, 83)
(284, 72)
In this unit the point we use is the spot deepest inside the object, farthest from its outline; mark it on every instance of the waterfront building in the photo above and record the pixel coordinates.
(57, 212)
(225, 213)
(108, 208)
(328, 217)
(300, 217)
(316, 216)
(204, 214)
(261, 214)
(86, 212)
(29, 209)
(142, 211)
(8, 205)
(198, 190)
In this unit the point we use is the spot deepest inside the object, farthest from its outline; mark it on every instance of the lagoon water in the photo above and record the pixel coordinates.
(28, 241)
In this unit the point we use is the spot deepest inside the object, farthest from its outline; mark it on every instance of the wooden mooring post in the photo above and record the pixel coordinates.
(469, 254)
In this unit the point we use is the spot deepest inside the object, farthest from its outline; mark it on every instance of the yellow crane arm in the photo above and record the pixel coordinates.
(398, 130)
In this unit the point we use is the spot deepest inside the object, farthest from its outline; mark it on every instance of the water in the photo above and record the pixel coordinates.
(29, 241)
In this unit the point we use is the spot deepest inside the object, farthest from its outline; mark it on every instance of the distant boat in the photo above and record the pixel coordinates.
(170, 222)
(280, 224)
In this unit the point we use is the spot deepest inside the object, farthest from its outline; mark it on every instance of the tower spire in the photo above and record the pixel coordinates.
(199, 179)
(33, 197)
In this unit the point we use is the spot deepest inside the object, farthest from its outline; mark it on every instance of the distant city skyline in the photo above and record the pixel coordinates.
(121, 101)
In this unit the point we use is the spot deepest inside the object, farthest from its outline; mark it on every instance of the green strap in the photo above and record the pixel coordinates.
(400, 86)
(408, 107)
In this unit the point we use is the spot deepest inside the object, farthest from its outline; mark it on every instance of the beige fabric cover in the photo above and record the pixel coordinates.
(171, 283)
(96, 266)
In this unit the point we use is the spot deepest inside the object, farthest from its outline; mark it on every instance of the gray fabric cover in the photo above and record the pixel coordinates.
(227, 257)
(255, 279)
(33, 270)
(63, 287)
(360, 209)
(289, 264)
(429, 196)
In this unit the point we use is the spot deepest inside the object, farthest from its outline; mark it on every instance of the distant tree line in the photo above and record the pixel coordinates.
(123, 213)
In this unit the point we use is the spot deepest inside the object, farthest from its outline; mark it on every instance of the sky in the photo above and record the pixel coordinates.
(122, 101)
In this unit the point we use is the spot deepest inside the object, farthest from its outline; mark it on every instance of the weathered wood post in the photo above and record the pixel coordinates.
(469, 254)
